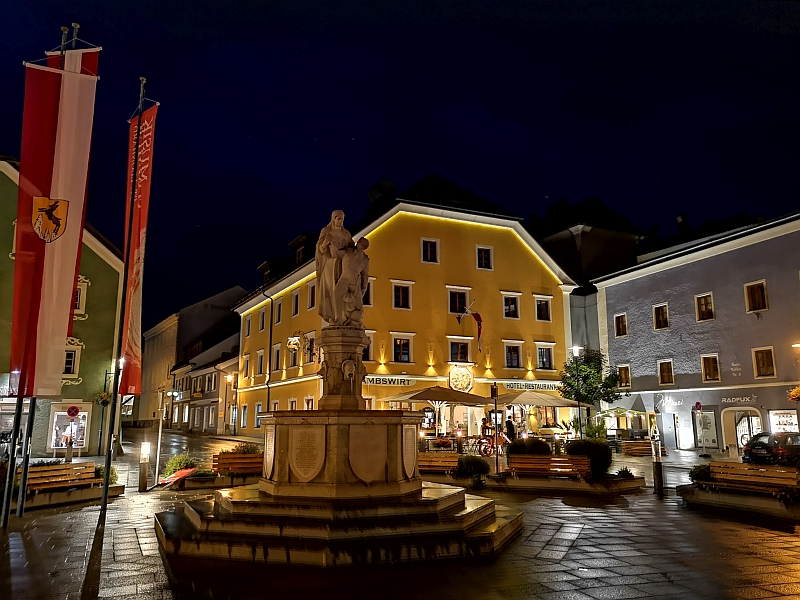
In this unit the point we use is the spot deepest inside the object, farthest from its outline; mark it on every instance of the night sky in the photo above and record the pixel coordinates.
(274, 113)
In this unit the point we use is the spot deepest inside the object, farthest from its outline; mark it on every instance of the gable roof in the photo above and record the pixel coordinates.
(438, 192)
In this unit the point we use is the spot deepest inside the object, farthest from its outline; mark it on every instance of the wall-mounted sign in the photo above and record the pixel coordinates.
(739, 399)
(461, 379)
(384, 380)
(550, 386)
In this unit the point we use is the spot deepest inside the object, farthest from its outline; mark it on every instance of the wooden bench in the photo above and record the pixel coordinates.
(773, 479)
(437, 462)
(640, 448)
(68, 475)
(549, 466)
(226, 464)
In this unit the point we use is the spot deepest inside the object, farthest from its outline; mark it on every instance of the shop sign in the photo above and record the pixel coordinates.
(783, 421)
(739, 399)
(461, 379)
(669, 403)
(550, 386)
(376, 380)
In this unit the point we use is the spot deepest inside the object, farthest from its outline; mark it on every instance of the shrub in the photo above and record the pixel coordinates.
(595, 431)
(198, 474)
(471, 465)
(700, 473)
(178, 462)
(517, 447)
(625, 473)
(599, 454)
(529, 446)
(243, 448)
(45, 463)
(99, 472)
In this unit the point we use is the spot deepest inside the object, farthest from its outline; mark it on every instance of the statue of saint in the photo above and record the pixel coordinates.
(334, 240)
(352, 284)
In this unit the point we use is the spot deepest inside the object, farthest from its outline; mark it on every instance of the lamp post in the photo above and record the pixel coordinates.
(496, 449)
(575, 354)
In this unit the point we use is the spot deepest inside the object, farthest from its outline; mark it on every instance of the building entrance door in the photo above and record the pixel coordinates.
(739, 425)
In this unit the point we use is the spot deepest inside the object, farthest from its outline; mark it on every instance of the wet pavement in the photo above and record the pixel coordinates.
(571, 548)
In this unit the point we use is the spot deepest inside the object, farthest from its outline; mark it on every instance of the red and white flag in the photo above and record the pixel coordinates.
(54, 160)
(131, 379)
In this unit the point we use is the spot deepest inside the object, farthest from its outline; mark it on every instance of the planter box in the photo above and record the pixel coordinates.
(219, 482)
(88, 494)
(753, 503)
(546, 484)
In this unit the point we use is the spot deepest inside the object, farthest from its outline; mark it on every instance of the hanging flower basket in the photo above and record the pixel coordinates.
(794, 394)
(104, 398)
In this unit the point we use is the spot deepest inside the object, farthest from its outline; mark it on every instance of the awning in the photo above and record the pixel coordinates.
(531, 398)
(437, 395)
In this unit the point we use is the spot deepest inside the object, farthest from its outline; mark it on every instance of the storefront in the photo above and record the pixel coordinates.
(717, 419)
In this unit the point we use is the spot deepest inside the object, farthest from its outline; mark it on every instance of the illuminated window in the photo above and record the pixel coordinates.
(660, 317)
(709, 364)
(621, 325)
(545, 358)
(665, 375)
(755, 295)
(624, 372)
(402, 347)
(704, 307)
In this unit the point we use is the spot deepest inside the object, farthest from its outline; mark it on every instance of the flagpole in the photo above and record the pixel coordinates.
(121, 323)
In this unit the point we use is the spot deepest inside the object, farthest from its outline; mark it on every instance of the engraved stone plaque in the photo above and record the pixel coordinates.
(368, 449)
(269, 450)
(306, 451)
(409, 449)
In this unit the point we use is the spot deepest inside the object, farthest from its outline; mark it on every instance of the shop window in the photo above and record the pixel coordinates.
(485, 257)
(510, 306)
(459, 352)
(704, 307)
(763, 362)
(621, 325)
(660, 317)
(430, 251)
(624, 372)
(68, 429)
(312, 295)
(710, 367)
(755, 295)
(458, 302)
(665, 374)
(543, 312)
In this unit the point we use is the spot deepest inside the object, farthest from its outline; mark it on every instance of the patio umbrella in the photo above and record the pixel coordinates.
(530, 398)
(438, 397)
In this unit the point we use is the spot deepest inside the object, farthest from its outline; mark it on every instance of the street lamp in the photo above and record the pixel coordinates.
(576, 350)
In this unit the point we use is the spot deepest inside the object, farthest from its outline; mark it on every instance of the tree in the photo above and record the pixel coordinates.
(589, 379)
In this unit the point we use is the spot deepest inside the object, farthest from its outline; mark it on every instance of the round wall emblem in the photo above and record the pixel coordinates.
(461, 379)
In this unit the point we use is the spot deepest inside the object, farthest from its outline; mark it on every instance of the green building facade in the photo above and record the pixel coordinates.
(88, 353)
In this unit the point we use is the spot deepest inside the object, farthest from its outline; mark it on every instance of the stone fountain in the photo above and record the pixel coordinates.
(340, 484)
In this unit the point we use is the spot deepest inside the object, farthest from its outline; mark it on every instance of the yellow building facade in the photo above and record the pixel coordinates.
(430, 269)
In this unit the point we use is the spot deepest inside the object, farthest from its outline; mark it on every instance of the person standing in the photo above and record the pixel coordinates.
(511, 430)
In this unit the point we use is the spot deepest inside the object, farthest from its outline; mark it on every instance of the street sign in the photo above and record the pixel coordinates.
(73, 411)
(698, 406)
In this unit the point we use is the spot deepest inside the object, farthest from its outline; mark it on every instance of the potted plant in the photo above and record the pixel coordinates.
(103, 399)
(474, 467)
(794, 394)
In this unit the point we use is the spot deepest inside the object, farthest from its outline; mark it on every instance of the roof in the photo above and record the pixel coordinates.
(593, 212)
(709, 247)
(438, 192)
(432, 191)
(104, 241)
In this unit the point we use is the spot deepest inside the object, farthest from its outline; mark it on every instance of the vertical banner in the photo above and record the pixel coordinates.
(56, 137)
(131, 378)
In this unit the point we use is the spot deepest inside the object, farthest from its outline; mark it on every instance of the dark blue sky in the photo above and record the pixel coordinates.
(273, 113)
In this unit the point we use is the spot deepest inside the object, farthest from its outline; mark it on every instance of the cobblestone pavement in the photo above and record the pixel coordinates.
(571, 548)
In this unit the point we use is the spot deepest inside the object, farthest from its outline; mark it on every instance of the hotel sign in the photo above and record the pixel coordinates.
(549, 386)
(382, 380)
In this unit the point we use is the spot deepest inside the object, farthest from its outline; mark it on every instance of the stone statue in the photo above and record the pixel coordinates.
(334, 240)
(352, 284)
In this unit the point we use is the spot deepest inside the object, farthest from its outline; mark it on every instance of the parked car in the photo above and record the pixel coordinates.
(773, 448)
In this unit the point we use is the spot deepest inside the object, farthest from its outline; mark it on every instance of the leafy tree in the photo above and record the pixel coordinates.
(588, 379)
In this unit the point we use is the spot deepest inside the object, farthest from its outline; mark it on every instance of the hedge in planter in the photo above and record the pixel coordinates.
(599, 454)
(243, 448)
(469, 465)
(529, 446)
